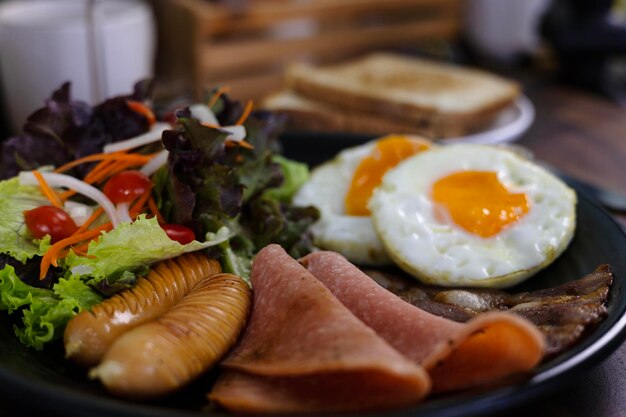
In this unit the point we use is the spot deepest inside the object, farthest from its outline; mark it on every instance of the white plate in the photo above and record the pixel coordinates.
(508, 126)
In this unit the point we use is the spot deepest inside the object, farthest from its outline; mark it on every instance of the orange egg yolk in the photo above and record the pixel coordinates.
(389, 151)
(478, 202)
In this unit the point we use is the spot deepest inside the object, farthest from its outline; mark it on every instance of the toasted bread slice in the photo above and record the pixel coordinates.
(444, 97)
(310, 115)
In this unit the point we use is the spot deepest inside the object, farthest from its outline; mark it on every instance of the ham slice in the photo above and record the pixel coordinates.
(488, 348)
(320, 393)
(304, 351)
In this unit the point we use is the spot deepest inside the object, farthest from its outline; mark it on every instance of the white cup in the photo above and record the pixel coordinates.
(102, 47)
(504, 29)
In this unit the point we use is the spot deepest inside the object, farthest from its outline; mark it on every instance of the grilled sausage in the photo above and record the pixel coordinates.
(158, 357)
(89, 334)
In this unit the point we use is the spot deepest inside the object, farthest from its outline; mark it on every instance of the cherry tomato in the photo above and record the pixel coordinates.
(126, 186)
(181, 234)
(49, 220)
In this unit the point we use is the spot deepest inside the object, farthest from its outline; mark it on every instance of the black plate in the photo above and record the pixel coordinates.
(46, 381)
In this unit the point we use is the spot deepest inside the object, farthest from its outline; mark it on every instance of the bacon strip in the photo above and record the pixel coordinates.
(489, 347)
(564, 313)
(303, 351)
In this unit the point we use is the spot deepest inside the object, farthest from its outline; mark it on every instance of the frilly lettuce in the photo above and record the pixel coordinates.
(209, 185)
(120, 254)
(117, 256)
(295, 174)
(15, 239)
(65, 129)
(45, 311)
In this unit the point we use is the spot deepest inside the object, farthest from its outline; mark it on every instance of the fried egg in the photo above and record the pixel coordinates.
(472, 215)
(341, 189)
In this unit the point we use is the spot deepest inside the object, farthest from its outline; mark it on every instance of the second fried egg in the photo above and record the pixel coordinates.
(472, 215)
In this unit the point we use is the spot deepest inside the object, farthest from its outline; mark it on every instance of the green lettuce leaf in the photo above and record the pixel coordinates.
(236, 262)
(15, 238)
(295, 174)
(210, 185)
(15, 294)
(124, 252)
(45, 311)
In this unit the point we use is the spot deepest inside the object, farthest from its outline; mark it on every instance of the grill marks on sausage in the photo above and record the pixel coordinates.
(90, 334)
(161, 356)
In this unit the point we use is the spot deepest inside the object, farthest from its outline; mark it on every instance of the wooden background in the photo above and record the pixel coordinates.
(584, 135)
(203, 44)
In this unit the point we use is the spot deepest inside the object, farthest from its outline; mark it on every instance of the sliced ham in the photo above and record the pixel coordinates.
(304, 351)
(487, 348)
(327, 392)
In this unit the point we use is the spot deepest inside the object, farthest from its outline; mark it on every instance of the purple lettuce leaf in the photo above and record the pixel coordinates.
(201, 174)
(211, 185)
(28, 272)
(66, 129)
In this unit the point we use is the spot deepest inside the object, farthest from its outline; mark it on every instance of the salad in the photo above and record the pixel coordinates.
(93, 196)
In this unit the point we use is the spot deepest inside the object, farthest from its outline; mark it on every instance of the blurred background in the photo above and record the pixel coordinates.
(189, 46)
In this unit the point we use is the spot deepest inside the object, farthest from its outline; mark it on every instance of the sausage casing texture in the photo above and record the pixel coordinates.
(158, 357)
(89, 335)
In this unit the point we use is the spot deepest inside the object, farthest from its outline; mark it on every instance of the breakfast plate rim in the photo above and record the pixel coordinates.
(503, 133)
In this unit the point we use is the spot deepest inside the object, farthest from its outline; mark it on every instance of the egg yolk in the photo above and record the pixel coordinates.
(388, 152)
(478, 202)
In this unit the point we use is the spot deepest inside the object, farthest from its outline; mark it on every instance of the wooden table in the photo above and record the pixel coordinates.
(586, 137)
(582, 134)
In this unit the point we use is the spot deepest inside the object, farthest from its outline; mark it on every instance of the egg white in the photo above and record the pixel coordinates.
(352, 236)
(441, 252)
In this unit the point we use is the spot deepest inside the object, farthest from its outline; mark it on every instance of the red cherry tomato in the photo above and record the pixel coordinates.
(126, 186)
(181, 234)
(49, 220)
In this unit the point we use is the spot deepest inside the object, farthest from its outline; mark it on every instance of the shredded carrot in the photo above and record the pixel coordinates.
(47, 191)
(123, 166)
(82, 248)
(52, 255)
(99, 172)
(67, 194)
(245, 144)
(122, 156)
(139, 107)
(242, 143)
(220, 91)
(155, 210)
(118, 166)
(105, 173)
(96, 213)
(137, 207)
(102, 166)
(246, 113)
(231, 143)
(82, 251)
